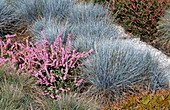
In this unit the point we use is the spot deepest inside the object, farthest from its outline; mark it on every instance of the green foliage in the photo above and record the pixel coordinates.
(139, 17)
(157, 100)
(68, 84)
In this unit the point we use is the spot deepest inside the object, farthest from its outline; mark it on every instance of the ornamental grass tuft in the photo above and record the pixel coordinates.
(117, 67)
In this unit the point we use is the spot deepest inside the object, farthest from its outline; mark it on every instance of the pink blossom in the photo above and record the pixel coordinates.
(52, 78)
(62, 89)
(79, 82)
(8, 36)
(75, 79)
(52, 96)
(50, 89)
(33, 55)
(56, 91)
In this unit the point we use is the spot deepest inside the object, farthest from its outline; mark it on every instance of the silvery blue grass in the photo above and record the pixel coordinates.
(85, 13)
(117, 67)
(7, 16)
(31, 10)
(50, 28)
(87, 34)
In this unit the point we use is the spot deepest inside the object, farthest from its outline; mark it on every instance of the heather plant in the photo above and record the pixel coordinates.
(32, 10)
(50, 27)
(157, 100)
(54, 68)
(117, 68)
(139, 17)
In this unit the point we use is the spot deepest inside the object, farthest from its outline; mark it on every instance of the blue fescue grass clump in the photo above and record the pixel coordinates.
(84, 13)
(3, 17)
(86, 34)
(6, 17)
(32, 10)
(3, 10)
(29, 10)
(50, 28)
(118, 67)
(57, 8)
(164, 25)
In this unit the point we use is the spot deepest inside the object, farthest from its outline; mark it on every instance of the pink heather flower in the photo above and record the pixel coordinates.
(79, 82)
(45, 93)
(62, 89)
(36, 75)
(8, 36)
(56, 91)
(47, 83)
(61, 78)
(52, 96)
(45, 68)
(89, 52)
(81, 64)
(70, 63)
(53, 87)
(44, 36)
(68, 88)
(61, 70)
(58, 35)
(52, 78)
(50, 89)
(75, 79)
(64, 78)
